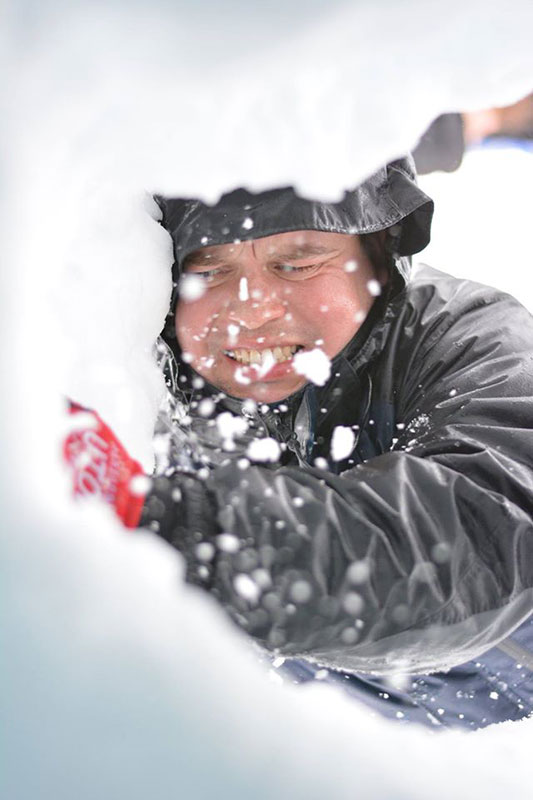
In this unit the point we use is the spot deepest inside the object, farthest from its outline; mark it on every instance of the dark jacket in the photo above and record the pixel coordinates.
(414, 553)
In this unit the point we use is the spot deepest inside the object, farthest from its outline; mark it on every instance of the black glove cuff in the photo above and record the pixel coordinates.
(181, 510)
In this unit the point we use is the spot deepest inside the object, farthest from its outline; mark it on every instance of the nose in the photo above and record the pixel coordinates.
(255, 303)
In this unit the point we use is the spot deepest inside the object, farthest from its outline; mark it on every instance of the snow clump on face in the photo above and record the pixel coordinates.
(241, 377)
(263, 450)
(374, 287)
(233, 333)
(243, 290)
(350, 266)
(314, 364)
(342, 442)
(192, 287)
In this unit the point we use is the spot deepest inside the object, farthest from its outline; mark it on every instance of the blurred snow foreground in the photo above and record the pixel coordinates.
(122, 681)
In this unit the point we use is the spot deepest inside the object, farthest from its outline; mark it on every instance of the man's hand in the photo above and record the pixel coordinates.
(101, 466)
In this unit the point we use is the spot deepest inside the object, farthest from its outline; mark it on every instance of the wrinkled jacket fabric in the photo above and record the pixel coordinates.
(415, 552)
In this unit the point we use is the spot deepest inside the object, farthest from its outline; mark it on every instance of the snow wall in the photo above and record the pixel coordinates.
(122, 681)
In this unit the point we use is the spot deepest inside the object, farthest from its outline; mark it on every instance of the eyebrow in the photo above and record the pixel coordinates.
(295, 252)
(201, 258)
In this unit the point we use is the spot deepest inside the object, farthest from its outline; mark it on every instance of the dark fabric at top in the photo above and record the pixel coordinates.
(442, 146)
(389, 197)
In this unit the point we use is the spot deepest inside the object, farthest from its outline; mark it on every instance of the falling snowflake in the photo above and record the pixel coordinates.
(206, 407)
(191, 287)
(353, 603)
(229, 427)
(358, 572)
(263, 450)
(314, 365)
(140, 485)
(374, 287)
(228, 543)
(342, 442)
(246, 587)
(233, 333)
(243, 290)
(301, 591)
(205, 551)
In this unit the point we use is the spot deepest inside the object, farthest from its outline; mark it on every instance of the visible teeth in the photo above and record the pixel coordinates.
(277, 354)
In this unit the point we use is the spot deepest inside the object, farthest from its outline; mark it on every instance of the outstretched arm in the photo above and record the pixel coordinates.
(421, 557)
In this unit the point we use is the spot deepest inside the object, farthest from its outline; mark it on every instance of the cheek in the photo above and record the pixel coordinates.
(335, 308)
(193, 321)
(332, 303)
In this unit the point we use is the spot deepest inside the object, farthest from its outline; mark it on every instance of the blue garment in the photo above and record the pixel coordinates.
(496, 687)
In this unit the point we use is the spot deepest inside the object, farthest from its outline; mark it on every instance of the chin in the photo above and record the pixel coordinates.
(264, 392)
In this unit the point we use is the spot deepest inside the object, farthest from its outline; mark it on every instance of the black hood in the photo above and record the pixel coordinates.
(390, 198)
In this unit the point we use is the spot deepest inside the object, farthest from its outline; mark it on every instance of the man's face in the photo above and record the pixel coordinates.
(266, 298)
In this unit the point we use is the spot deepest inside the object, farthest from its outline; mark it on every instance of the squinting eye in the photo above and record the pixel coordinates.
(289, 268)
(208, 274)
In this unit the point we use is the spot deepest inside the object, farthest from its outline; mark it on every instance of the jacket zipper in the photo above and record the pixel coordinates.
(284, 434)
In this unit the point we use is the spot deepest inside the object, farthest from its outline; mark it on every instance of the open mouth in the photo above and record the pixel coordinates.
(266, 357)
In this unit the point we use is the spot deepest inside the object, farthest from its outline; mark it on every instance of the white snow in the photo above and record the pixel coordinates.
(353, 603)
(140, 485)
(192, 287)
(301, 591)
(230, 426)
(266, 449)
(342, 442)
(374, 287)
(206, 407)
(246, 587)
(233, 333)
(350, 266)
(243, 290)
(227, 542)
(205, 551)
(358, 572)
(482, 215)
(123, 682)
(241, 376)
(314, 364)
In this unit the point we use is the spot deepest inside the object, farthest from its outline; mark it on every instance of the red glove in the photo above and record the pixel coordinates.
(101, 466)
